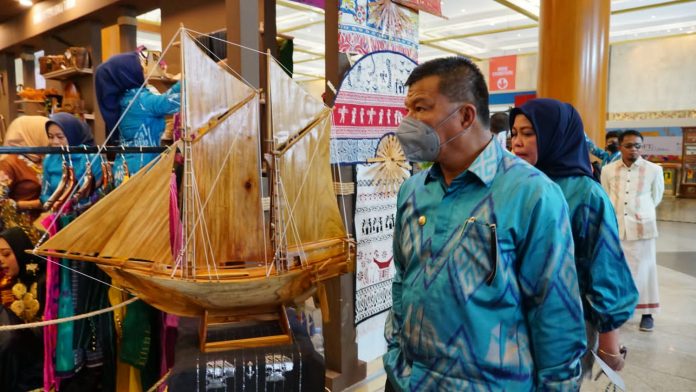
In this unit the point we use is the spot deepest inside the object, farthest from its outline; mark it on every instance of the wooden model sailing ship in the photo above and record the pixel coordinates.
(223, 257)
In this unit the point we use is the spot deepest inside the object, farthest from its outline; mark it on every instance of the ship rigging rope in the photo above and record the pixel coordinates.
(291, 222)
(338, 165)
(205, 204)
(290, 213)
(206, 234)
(67, 319)
(233, 71)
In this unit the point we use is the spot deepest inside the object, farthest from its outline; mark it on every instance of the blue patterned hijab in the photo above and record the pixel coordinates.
(561, 147)
(117, 75)
(76, 131)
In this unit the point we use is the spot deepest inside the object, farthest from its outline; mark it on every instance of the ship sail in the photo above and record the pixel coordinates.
(303, 122)
(135, 213)
(228, 224)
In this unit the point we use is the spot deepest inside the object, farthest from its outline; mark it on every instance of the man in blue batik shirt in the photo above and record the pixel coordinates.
(611, 152)
(485, 295)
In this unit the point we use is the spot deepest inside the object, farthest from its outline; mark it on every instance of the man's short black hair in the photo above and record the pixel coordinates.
(500, 122)
(460, 81)
(611, 134)
(629, 132)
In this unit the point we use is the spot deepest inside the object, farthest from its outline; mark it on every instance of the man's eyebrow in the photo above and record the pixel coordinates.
(414, 100)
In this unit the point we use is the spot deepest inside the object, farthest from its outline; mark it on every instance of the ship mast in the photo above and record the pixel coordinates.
(188, 250)
(278, 238)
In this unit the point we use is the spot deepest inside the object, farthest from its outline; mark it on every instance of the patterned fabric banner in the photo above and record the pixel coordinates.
(375, 211)
(366, 26)
(430, 6)
(369, 104)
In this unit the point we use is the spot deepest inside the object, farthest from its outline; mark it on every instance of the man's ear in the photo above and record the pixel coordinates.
(468, 115)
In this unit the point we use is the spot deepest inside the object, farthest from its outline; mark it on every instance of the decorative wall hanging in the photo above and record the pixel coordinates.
(430, 6)
(369, 104)
(366, 26)
(375, 210)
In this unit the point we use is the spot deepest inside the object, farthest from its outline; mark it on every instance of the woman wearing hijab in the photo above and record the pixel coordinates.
(81, 349)
(66, 130)
(22, 285)
(20, 175)
(549, 135)
(118, 83)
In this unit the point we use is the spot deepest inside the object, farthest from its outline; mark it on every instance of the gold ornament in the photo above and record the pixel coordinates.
(19, 290)
(392, 166)
(18, 308)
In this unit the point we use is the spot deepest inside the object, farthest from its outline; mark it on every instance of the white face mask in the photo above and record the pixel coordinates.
(420, 141)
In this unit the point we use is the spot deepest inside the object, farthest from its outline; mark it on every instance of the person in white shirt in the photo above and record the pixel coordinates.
(635, 188)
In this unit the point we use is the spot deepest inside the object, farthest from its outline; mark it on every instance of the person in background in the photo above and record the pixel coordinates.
(485, 293)
(22, 283)
(548, 134)
(66, 130)
(500, 128)
(635, 187)
(611, 151)
(20, 175)
(118, 84)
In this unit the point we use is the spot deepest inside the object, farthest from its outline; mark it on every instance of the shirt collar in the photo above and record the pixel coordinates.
(485, 166)
(638, 162)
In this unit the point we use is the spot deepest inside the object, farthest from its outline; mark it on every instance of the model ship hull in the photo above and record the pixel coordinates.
(234, 290)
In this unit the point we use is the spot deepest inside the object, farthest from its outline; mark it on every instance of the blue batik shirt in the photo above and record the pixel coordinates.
(605, 156)
(485, 293)
(606, 285)
(143, 125)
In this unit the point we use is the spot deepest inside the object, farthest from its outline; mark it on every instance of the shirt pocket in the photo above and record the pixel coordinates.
(475, 260)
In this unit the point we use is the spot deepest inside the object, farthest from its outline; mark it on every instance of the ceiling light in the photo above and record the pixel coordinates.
(519, 35)
(680, 29)
(463, 10)
(652, 16)
(25, 3)
(669, 30)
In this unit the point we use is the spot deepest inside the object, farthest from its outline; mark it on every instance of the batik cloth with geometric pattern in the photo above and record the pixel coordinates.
(608, 293)
(485, 292)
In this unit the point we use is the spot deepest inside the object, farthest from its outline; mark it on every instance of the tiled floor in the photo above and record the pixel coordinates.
(662, 360)
(677, 210)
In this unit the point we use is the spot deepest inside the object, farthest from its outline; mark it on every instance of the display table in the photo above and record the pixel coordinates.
(294, 367)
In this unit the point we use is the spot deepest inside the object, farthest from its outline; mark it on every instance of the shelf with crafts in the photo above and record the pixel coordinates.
(31, 107)
(687, 187)
(76, 88)
(67, 73)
